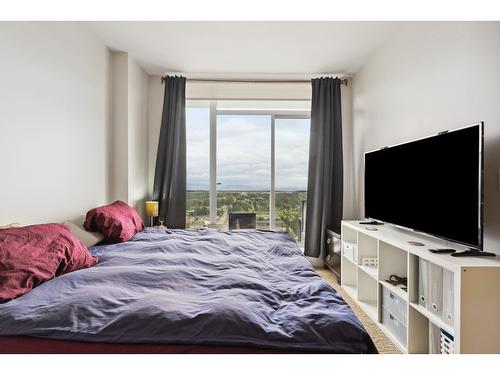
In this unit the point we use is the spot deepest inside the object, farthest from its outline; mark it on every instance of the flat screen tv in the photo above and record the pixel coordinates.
(432, 185)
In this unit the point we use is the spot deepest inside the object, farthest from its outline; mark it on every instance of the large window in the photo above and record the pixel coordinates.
(248, 158)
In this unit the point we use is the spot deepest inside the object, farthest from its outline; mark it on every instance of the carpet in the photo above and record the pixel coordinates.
(382, 342)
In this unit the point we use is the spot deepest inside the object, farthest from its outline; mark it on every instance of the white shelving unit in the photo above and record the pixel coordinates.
(474, 291)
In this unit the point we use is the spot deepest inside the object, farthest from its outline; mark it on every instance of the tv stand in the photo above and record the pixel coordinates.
(473, 253)
(461, 296)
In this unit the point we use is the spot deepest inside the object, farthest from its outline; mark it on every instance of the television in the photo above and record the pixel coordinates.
(431, 185)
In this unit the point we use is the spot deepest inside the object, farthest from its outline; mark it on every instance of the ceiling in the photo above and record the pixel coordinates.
(254, 49)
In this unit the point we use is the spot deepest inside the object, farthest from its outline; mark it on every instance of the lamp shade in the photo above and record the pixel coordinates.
(152, 208)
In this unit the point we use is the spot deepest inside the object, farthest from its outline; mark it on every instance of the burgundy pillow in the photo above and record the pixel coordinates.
(118, 222)
(34, 254)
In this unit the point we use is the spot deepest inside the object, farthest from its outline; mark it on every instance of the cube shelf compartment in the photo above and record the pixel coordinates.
(367, 293)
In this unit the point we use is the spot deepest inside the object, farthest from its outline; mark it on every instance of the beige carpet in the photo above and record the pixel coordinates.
(383, 344)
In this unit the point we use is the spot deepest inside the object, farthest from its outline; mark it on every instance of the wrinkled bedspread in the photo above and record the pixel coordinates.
(205, 287)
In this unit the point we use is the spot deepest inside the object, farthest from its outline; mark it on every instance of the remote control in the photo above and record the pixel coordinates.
(371, 222)
(442, 251)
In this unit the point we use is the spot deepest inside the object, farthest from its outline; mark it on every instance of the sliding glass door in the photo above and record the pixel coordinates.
(245, 162)
(244, 167)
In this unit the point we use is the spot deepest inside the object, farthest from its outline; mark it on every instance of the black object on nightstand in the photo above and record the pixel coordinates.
(333, 252)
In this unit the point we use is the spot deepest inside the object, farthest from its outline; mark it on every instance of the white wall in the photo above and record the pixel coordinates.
(129, 146)
(54, 122)
(347, 141)
(432, 77)
(119, 188)
(138, 137)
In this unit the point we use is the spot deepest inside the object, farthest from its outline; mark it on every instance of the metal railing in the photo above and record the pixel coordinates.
(289, 213)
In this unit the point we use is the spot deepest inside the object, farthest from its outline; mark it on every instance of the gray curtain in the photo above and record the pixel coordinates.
(325, 183)
(169, 187)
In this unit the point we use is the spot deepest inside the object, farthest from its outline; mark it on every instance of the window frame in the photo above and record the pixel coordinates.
(275, 115)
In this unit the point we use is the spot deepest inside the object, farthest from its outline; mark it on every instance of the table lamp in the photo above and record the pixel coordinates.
(152, 211)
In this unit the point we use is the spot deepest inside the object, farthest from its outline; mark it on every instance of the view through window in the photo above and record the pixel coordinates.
(198, 166)
(244, 167)
(259, 162)
(292, 158)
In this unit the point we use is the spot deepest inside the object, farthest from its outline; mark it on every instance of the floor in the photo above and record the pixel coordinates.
(383, 344)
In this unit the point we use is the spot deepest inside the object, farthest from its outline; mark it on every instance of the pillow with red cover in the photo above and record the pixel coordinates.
(118, 222)
(34, 254)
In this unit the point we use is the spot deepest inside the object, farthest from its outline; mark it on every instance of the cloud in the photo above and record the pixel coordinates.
(244, 151)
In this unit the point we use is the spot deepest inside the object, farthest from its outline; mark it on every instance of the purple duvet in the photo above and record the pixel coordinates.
(244, 288)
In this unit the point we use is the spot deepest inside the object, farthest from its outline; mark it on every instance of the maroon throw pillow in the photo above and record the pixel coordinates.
(34, 254)
(118, 222)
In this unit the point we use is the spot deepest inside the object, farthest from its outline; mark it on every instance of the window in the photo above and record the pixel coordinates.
(248, 157)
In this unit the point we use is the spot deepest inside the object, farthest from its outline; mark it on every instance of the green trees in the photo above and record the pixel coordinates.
(290, 216)
(288, 208)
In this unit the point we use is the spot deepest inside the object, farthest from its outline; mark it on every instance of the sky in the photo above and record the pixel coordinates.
(244, 151)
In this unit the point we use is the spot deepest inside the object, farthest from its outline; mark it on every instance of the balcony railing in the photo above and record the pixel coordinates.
(290, 208)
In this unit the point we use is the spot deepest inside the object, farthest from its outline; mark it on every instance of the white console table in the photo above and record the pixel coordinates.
(471, 288)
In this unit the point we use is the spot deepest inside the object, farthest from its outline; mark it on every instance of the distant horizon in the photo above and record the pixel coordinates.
(244, 152)
(286, 190)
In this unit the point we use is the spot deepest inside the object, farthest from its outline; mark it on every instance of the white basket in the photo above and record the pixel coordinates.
(370, 262)
(447, 343)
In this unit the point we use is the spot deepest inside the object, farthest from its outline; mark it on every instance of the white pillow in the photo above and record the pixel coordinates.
(88, 238)
(11, 225)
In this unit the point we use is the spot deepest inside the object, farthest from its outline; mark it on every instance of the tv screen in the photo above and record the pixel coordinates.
(432, 185)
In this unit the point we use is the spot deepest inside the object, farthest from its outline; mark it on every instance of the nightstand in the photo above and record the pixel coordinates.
(333, 252)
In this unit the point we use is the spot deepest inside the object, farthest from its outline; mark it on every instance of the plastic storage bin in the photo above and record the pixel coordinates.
(394, 326)
(395, 305)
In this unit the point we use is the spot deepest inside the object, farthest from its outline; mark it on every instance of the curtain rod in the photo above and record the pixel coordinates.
(342, 80)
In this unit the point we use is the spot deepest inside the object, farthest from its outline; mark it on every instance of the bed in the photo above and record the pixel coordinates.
(186, 291)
